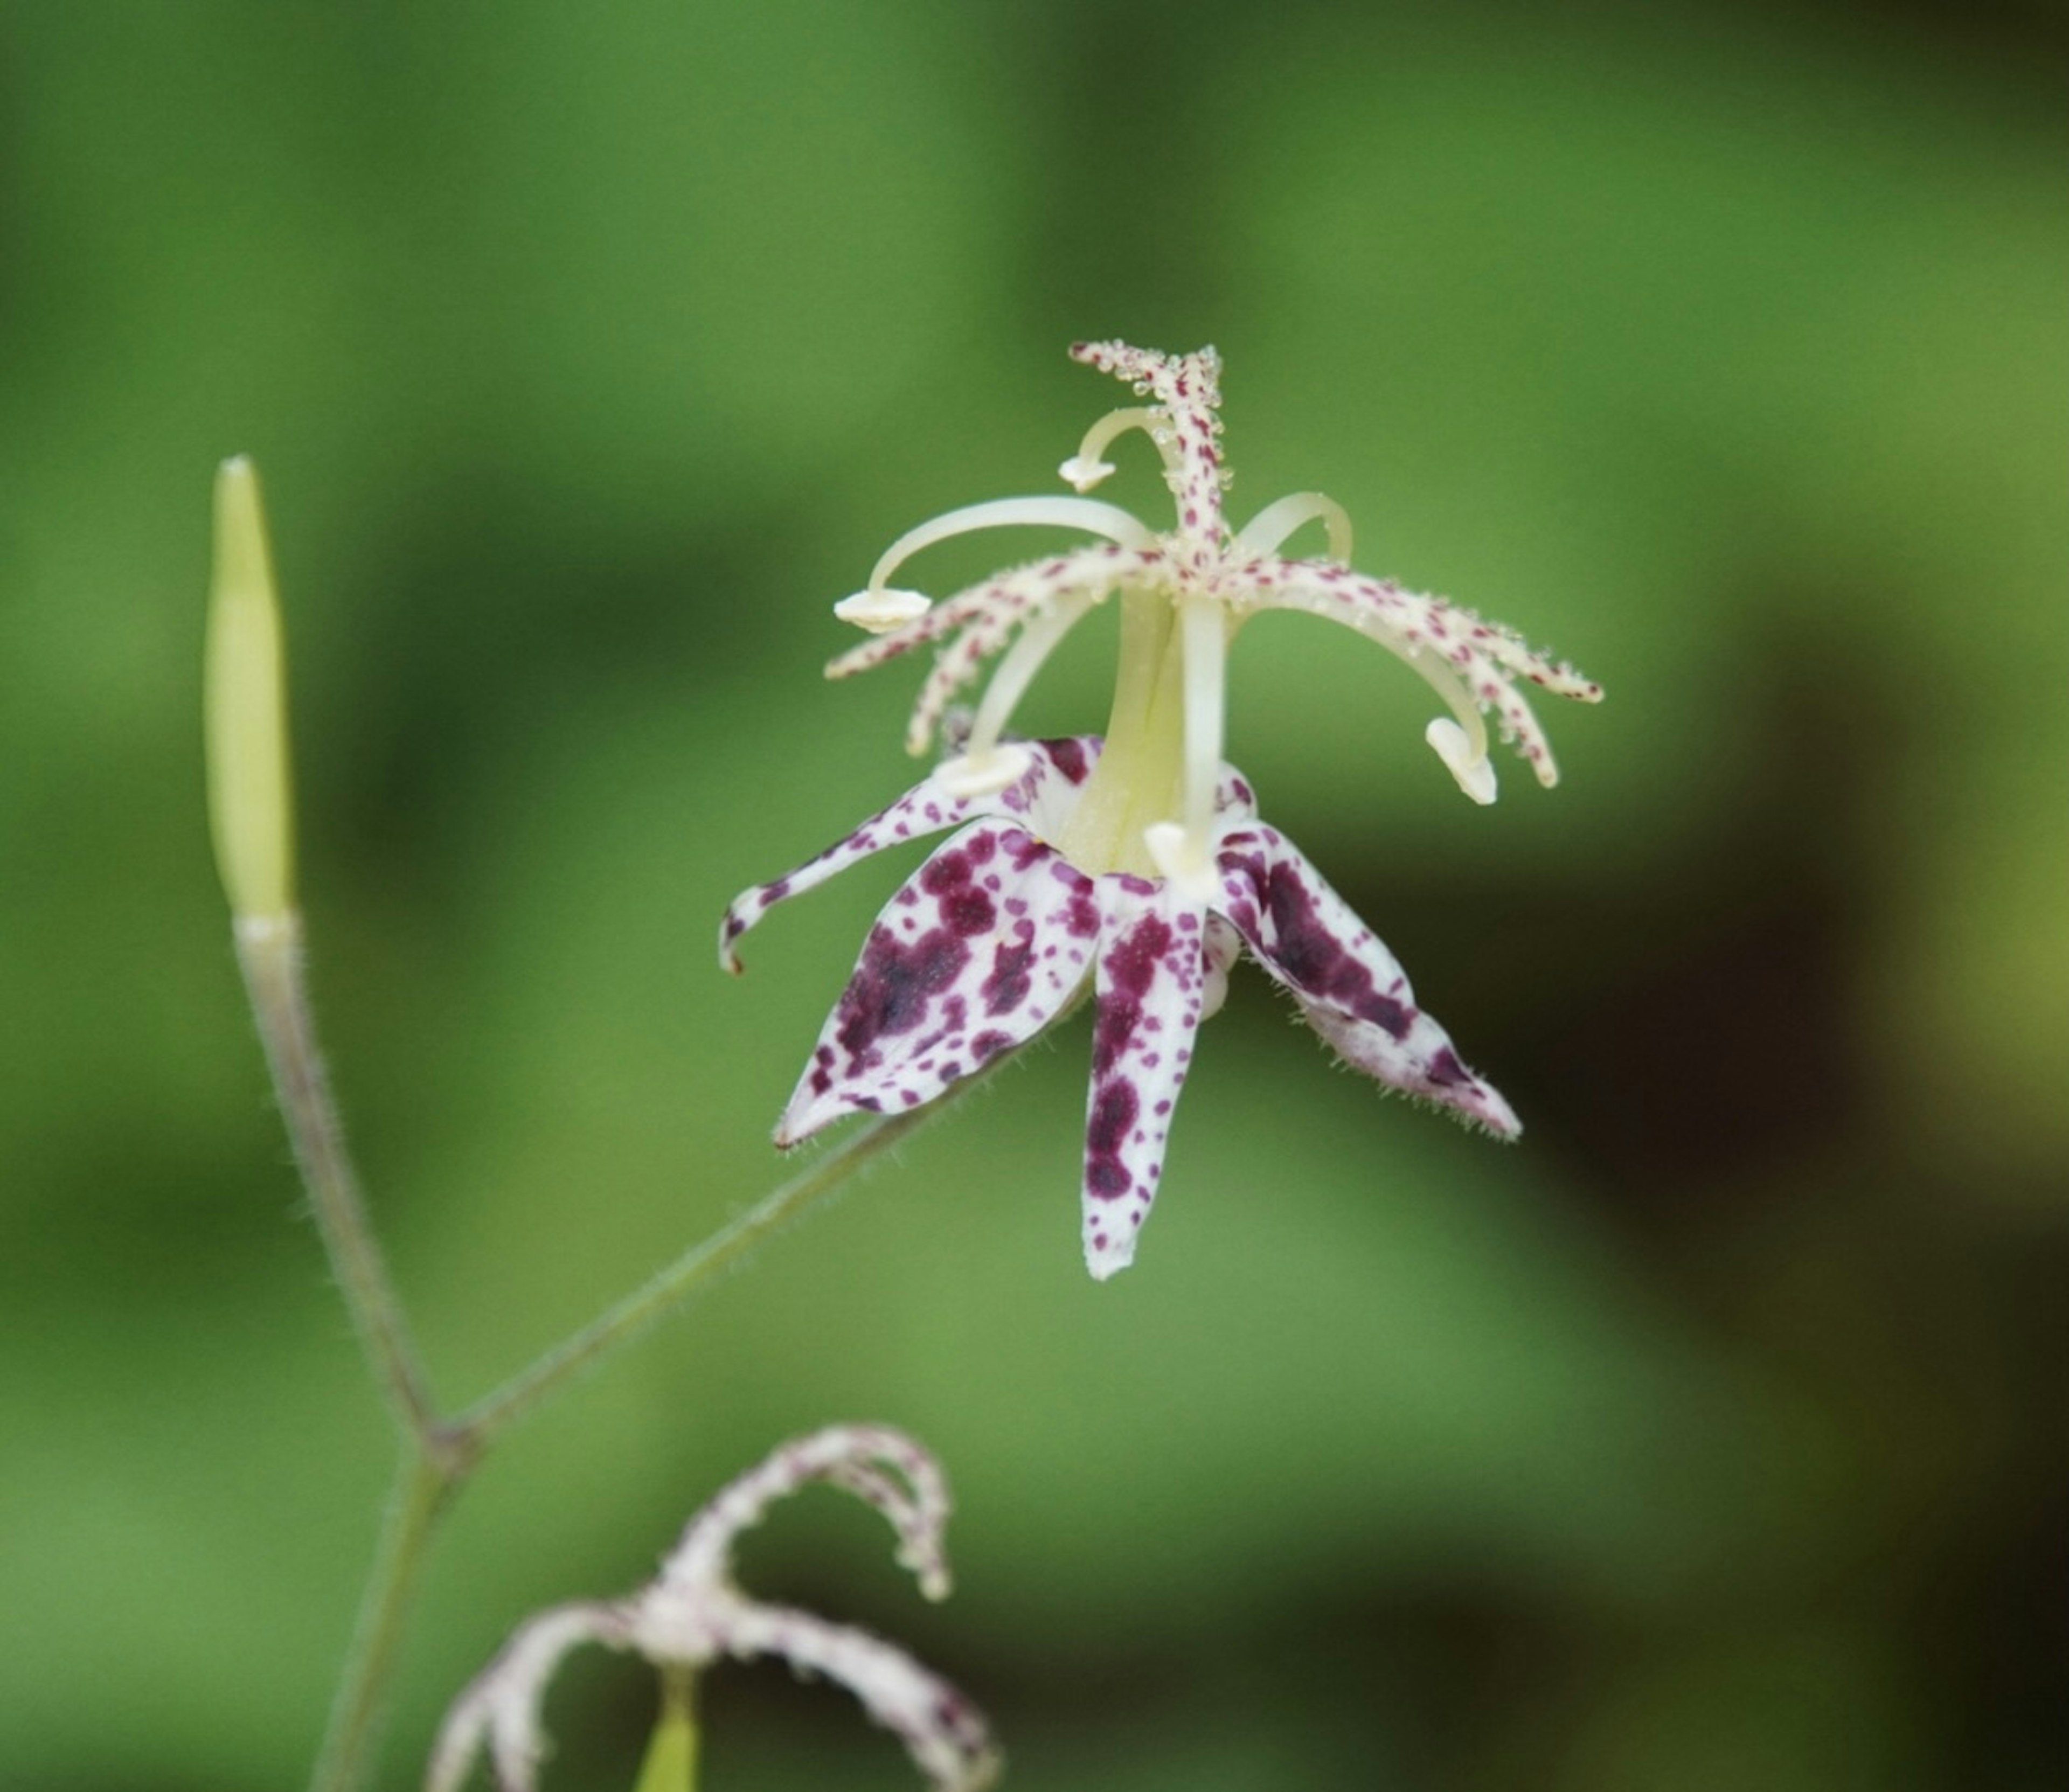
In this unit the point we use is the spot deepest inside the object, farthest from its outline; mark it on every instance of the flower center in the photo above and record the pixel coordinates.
(1162, 756)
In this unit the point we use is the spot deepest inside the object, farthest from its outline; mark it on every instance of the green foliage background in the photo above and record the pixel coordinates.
(1712, 1438)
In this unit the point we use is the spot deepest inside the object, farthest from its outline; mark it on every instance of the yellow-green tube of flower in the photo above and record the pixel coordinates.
(250, 796)
(671, 1764)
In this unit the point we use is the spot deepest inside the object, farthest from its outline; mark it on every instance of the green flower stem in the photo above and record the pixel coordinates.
(424, 1483)
(439, 1454)
(639, 1310)
(269, 948)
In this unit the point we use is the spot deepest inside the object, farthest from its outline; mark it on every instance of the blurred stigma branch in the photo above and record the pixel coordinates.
(252, 815)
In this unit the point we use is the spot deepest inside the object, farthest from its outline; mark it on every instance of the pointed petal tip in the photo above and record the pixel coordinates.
(1480, 1104)
(1108, 1262)
(1110, 1243)
(810, 1111)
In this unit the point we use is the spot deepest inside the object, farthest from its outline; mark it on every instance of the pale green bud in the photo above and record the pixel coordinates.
(249, 797)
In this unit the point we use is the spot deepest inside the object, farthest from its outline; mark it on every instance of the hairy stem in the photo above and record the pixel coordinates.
(424, 1481)
(439, 1454)
(639, 1310)
(269, 948)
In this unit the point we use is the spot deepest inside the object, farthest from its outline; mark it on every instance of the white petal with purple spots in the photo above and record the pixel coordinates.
(1149, 986)
(1057, 768)
(977, 952)
(1349, 986)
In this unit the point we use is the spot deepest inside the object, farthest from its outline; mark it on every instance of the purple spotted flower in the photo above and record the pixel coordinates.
(1134, 862)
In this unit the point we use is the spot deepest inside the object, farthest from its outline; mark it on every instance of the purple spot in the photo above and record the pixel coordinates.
(1113, 1112)
(990, 1044)
(1011, 972)
(1132, 962)
(968, 911)
(895, 984)
(946, 877)
(1447, 1072)
(1068, 755)
(1118, 1017)
(944, 872)
(1313, 957)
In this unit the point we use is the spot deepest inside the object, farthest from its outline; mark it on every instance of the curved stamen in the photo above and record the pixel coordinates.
(1088, 514)
(985, 768)
(1086, 467)
(1267, 531)
(1462, 744)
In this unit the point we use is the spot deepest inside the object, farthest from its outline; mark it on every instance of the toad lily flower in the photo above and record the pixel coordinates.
(1136, 860)
(692, 1613)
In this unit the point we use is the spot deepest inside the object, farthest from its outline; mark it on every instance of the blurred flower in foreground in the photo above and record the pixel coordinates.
(1137, 857)
(692, 1613)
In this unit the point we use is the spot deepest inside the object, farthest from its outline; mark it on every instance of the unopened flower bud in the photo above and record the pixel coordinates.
(249, 797)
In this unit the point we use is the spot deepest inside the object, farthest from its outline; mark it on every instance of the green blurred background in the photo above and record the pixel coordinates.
(1714, 1438)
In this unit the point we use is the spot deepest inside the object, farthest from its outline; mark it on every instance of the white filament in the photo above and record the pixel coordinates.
(1021, 661)
(1267, 531)
(1464, 742)
(1206, 646)
(1087, 467)
(1088, 514)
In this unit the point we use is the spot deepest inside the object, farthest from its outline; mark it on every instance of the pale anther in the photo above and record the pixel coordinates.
(975, 775)
(1475, 771)
(880, 610)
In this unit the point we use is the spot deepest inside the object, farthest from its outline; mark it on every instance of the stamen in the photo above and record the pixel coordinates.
(878, 611)
(1094, 518)
(1267, 532)
(1475, 776)
(1181, 851)
(1086, 468)
(1206, 663)
(985, 767)
(1462, 744)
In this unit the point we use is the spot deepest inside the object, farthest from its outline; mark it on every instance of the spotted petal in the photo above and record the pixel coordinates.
(1350, 988)
(1053, 768)
(977, 952)
(1149, 985)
